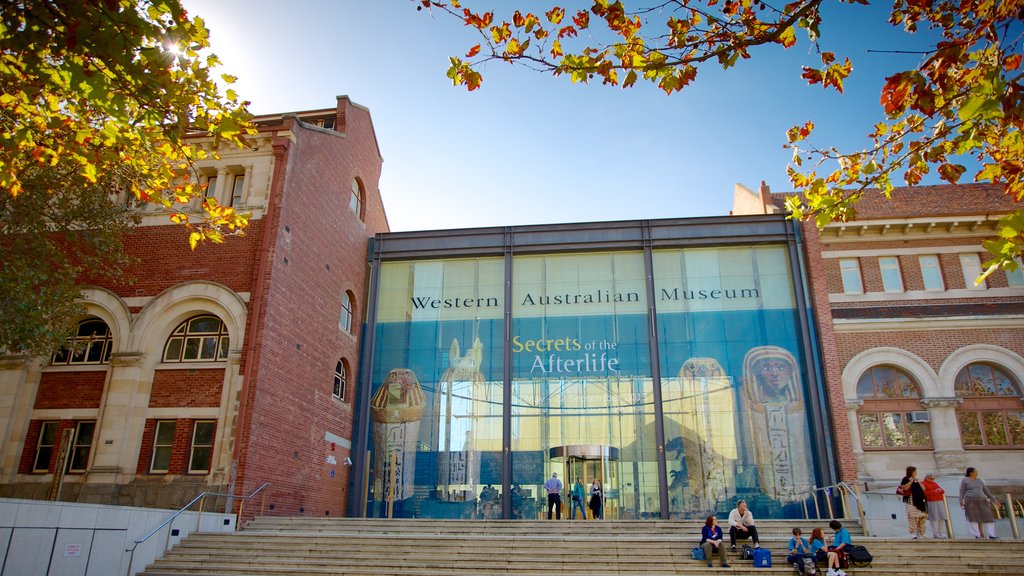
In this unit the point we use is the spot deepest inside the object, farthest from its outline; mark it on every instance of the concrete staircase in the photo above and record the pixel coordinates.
(273, 546)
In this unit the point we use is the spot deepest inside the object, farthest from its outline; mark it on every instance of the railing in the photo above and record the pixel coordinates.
(201, 498)
(1013, 509)
(842, 489)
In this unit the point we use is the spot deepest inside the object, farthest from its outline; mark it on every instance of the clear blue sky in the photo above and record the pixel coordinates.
(527, 148)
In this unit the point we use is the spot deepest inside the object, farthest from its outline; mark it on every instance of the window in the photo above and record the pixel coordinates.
(931, 273)
(1016, 277)
(81, 446)
(849, 269)
(90, 345)
(356, 203)
(971, 265)
(198, 339)
(892, 416)
(45, 446)
(211, 187)
(892, 281)
(340, 380)
(990, 415)
(237, 190)
(345, 322)
(163, 444)
(202, 446)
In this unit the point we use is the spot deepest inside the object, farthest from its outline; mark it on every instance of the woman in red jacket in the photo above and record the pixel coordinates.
(935, 495)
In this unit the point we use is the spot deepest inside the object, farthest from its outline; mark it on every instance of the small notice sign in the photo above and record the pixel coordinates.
(72, 550)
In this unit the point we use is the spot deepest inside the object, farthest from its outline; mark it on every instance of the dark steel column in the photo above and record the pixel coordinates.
(506, 390)
(824, 459)
(361, 436)
(652, 338)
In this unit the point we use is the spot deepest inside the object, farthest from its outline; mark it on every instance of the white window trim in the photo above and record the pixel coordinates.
(842, 275)
(39, 445)
(156, 438)
(938, 271)
(970, 265)
(893, 264)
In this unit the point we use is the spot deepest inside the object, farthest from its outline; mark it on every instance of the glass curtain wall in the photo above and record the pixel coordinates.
(735, 410)
(582, 394)
(733, 384)
(436, 404)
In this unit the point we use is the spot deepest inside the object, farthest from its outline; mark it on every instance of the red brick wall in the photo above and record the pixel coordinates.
(319, 253)
(70, 389)
(932, 346)
(165, 259)
(180, 453)
(186, 388)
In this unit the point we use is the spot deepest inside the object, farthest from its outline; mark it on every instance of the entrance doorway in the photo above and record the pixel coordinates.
(590, 462)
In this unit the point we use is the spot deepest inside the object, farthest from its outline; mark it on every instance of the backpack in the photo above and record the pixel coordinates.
(806, 566)
(859, 556)
(746, 553)
(698, 553)
(762, 558)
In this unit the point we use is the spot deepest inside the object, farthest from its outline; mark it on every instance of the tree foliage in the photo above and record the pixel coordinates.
(103, 84)
(965, 97)
(99, 99)
(52, 234)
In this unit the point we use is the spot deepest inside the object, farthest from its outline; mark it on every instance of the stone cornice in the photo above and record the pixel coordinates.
(13, 361)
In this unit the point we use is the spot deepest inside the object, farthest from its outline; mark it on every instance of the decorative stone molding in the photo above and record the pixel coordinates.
(13, 361)
(942, 402)
(854, 404)
(126, 359)
(953, 462)
(235, 357)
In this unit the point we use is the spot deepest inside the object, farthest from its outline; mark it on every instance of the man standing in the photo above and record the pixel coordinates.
(741, 525)
(554, 488)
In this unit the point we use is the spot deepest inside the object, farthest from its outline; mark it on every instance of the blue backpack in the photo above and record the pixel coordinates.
(762, 558)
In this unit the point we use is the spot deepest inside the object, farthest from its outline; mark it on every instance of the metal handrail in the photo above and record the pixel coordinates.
(201, 496)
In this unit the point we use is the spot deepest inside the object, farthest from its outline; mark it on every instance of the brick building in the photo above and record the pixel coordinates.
(923, 366)
(225, 367)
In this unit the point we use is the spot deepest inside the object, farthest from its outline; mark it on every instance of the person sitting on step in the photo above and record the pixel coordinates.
(798, 547)
(711, 540)
(840, 541)
(741, 525)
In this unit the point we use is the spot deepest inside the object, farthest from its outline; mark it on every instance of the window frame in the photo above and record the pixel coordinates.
(347, 317)
(936, 275)
(340, 389)
(980, 405)
(66, 356)
(849, 270)
(51, 447)
(880, 407)
(77, 445)
(887, 267)
(358, 198)
(193, 446)
(1016, 277)
(237, 190)
(157, 446)
(970, 265)
(182, 334)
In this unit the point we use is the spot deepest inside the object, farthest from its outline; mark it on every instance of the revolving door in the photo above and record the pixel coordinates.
(590, 462)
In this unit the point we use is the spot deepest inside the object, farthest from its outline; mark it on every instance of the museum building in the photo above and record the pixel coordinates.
(675, 360)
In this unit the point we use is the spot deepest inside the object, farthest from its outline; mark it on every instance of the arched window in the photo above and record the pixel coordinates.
(892, 416)
(90, 345)
(198, 339)
(341, 379)
(991, 415)
(345, 322)
(356, 202)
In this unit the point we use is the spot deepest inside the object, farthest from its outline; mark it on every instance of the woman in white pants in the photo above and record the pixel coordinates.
(977, 502)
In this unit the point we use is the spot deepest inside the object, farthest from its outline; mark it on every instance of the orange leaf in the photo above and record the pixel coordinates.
(473, 51)
(1012, 62)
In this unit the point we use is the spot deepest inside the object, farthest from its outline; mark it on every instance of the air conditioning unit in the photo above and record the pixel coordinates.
(919, 417)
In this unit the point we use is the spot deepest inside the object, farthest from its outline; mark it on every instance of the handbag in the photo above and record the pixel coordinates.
(859, 556)
(746, 553)
(575, 497)
(698, 553)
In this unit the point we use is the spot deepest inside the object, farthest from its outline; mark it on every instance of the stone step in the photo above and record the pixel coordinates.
(376, 547)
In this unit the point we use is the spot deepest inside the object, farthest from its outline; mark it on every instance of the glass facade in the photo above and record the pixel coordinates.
(675, 377)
